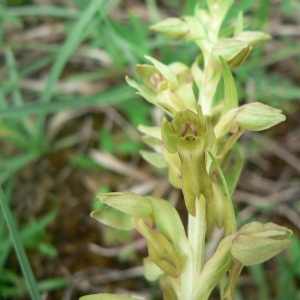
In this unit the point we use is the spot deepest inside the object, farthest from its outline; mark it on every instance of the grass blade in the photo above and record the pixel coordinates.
(42, 11)
(113, 96)
(19, 248)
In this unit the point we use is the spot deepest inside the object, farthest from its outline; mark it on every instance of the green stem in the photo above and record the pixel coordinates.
(196, 236)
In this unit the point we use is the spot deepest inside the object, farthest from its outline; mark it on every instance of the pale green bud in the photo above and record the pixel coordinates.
(173, 28)
(257, 242)
(253, 38)
(256, 116)
(128, 203)
(253, 116)
(232, 50)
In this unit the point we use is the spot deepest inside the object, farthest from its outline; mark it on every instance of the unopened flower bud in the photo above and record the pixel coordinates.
(173, 28)
(253, 38)
(256, 116)
(257, 242)
(232, 50)
(253, 116)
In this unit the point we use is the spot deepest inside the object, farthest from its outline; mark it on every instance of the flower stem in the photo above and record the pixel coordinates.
(196, 236)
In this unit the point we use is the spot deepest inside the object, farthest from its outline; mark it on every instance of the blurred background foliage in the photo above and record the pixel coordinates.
(68, 131)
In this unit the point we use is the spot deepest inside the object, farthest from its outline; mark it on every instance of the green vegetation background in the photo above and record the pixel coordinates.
(68, 131)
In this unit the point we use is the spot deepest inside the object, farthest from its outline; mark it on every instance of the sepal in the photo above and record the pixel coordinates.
(113, 218)
(128, 203)
(253, 38)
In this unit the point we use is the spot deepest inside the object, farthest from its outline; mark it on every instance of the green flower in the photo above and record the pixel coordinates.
(168, 87)
(190, 135)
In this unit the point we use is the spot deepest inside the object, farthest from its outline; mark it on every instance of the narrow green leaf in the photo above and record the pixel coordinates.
(43, 10)
(19, 248)
(108, 97)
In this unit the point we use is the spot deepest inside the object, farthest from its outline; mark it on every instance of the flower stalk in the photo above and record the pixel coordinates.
(197, 143)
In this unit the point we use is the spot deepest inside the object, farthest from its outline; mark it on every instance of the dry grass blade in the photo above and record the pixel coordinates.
(112, 163)
(116, 251)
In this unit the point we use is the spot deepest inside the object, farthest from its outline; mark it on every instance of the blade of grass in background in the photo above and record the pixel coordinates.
(73, 40)
(109, 97)
(19, 248)
(16, 94)
(43, 10)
